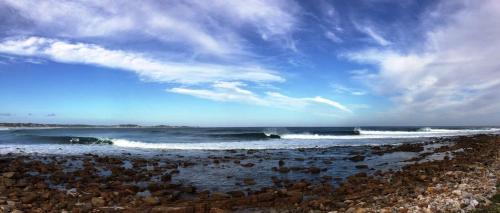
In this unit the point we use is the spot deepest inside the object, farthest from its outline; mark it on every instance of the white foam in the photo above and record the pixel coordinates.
(262, 144)
(376, 134)
(4, 128)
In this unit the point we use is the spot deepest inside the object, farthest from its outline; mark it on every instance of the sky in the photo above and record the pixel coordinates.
(251, 63)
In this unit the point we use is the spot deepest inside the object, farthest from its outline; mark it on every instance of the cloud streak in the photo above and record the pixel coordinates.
(146, 67)
(235, 92)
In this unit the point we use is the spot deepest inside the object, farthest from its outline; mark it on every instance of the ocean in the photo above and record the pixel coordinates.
(328, 148)
(146, 140)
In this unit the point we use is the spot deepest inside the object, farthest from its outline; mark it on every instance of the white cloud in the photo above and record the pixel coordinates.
(346, 90)
(148, 68)
(452, 76)
(234, 92)
(208, 27)
(374, 35)
(335, 104)
(333, 37)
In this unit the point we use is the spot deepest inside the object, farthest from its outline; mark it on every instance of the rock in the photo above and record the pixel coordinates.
(249, 181)
(217, 210)
(219, 195)
(457, 192)
(300, 185)
(294, 197)
(284, 169)
(169, 209)
(357, 158)
(314, 170)
(266, 196)
(17, 211)
(247, 165)
(361, 166)
(85, 207)
(28, 197)
(236, 193)
(8, 174)
(188, 189)
(151, 200)
(5, 208)
(166, 177)
(97, 202)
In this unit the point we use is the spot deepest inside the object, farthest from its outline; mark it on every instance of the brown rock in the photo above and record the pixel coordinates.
(219, 195)
(294, 197)
(151, 200)
(167, 209)
(284, 169)
(217, 210)
(97, 202)
(249, 181)
(188, 189)
(248, 165)
(314, 170)
(357, 158)
(267, 196)
(29, 197)
(361, 166)
(236, 193)
(8, 174)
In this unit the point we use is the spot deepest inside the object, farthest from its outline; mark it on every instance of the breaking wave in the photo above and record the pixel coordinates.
(73, 140)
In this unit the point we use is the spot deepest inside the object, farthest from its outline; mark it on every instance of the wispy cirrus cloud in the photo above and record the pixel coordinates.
(146, 67)
(210, 28)
(338, 88)
(374, 35)
(235, 92)
(452, 76)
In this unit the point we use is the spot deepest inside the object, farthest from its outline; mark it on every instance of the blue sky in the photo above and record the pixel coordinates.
(250, 63)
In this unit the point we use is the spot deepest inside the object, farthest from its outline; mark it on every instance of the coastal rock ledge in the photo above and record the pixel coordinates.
(462, 177)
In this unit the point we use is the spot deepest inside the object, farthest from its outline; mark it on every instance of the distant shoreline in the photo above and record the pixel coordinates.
(39, 125)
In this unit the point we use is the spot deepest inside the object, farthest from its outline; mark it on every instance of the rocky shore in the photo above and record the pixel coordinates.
(445, 175)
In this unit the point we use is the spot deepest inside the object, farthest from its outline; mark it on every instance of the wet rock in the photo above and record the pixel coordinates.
(151, 200)
(283, 169)
(8, 174)
(314, 170)
(188, 189)
(357, 158)
(168, 209)
(249, 181)
(219, 195)
(28, 197)
(217, 210)
(98, 202)
(294, 197)
(236, 193)
(248, 165)
(300, 185)
(166, 177)
(361, 166)
(267, 196)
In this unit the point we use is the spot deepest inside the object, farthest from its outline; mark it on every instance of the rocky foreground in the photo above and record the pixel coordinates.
(463, 179)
